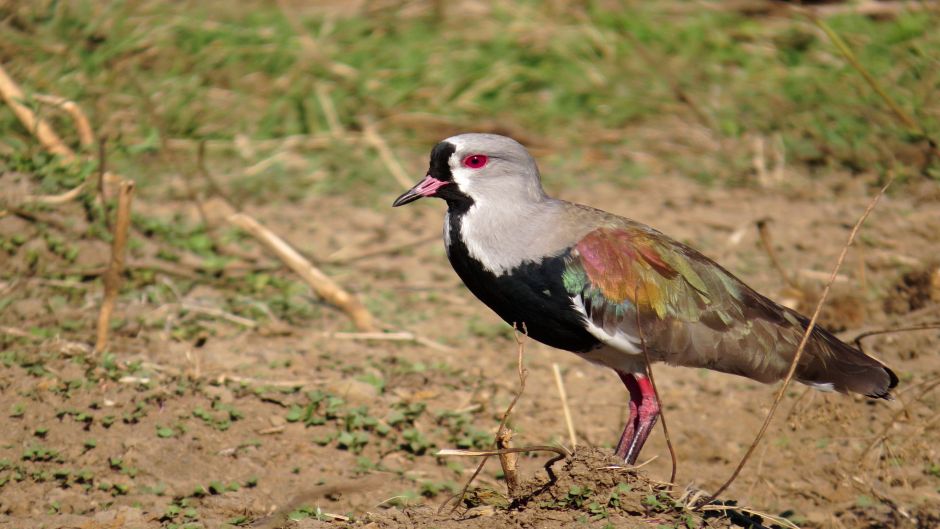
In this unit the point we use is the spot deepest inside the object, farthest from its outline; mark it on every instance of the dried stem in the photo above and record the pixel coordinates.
(324, 287)
(806, 335)
(82, 126)
(523, 375)
(925, 327)
(767, 243)
(47, 137)
(371, 135)
(662, 415)
(849, 56)
(508, 460)
(560, 384)
(112, 278)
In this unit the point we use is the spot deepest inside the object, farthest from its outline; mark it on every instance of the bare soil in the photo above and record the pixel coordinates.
(209, 430)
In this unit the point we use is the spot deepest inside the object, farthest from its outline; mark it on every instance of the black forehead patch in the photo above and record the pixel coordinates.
(440, 156)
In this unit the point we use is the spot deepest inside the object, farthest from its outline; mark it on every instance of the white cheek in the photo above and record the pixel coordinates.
(463, 178)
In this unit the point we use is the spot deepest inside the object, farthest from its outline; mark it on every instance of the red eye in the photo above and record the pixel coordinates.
(475, 161)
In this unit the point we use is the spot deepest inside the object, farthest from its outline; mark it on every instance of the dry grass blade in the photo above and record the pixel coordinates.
(925, 327)
(499, 451)
(82, 126)
(849, 56)
(371, 135)
(560, 384)
(803, 342)
(280, 517)
(324, 287)
(763, 230)
(14, 96)
(112, 278)
(662, 415)
(523, 375)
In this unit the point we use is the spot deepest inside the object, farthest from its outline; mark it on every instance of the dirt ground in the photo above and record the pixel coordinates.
(238, 420)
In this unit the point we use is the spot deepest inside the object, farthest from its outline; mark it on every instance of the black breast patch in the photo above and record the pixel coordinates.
(531, 294)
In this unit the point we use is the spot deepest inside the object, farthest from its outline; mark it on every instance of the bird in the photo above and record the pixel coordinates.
(615, 291)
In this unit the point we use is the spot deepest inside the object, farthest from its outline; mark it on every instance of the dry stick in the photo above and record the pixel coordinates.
(203, 171)
(767, 243)
(324, 287)
(47, 137)
(339, 258)
(523, 375)
(649, 373)
(927, 326)
(102, 170)
(329, 111)
(50, 141)
(803, 342)
(371, 135)
(487, 453)
(508, 460)
(112, 278)
(82, 126)
(560, 384)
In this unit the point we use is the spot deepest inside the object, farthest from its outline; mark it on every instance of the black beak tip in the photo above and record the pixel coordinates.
(406, 198)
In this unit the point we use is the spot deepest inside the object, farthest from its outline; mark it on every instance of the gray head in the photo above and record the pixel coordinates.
(474, 168)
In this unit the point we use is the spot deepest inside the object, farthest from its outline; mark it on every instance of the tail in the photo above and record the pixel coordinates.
(832, 363)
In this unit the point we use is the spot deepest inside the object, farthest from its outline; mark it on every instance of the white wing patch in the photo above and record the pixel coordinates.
(618, 340)
(821, 386)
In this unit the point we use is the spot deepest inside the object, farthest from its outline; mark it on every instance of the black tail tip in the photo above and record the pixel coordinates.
(892, 383)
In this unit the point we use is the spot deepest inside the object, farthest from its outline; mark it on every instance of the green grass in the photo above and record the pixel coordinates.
(572, 79)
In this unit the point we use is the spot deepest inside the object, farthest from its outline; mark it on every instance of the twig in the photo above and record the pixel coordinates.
(329, 111)
(82, 126)
(806, 335)
(662, 416)
(203, 170)
(508, 460)
(927, 326)
(560, 384)
(503, 434)
(499, 451)
(339, 258)
(216, 312)
(13, 95)
(399, 336)
(523, 374)
(766, 242)
(47, 137)
(112, 278)
(324, 287)
(279, 518)
(371, 135)
(102, 170)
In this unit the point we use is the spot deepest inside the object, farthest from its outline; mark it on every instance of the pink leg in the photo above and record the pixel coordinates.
(644, 410)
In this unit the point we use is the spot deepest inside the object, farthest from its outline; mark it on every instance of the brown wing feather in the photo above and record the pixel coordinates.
(695, 313)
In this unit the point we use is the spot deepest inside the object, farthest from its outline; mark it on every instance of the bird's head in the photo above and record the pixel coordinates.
(475, 168)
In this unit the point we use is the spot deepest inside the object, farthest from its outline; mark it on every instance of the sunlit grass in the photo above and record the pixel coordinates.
(578, 80)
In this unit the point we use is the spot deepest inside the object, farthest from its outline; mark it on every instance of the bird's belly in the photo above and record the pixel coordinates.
(531, 297)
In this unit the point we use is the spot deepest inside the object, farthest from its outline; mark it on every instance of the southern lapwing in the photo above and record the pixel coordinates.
(602, 286)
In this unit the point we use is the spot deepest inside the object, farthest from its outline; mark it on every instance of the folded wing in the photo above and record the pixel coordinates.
(633, 281)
